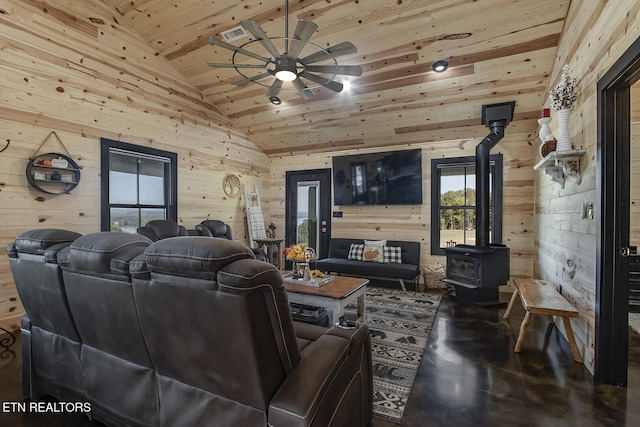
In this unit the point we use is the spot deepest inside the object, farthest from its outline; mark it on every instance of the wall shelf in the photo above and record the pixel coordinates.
(53, 173)
(558, 164)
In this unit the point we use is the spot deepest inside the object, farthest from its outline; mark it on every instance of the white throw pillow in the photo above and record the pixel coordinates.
(375, 242)
(373, 252)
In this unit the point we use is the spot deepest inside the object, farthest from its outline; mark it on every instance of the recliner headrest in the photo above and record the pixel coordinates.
(215, 228)
(45, 242)
(194, 256)
(103, 253)
(162, 229)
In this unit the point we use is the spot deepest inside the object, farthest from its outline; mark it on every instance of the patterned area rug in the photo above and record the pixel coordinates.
(400, 324)
(634, 321)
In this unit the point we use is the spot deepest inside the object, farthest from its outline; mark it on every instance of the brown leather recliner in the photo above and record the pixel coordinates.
(159, 229)
(226, 352)
(50, 340)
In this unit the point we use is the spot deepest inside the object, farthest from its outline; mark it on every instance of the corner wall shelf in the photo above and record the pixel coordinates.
(558, 164)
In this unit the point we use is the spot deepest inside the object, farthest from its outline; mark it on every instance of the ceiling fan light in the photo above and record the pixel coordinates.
(286, 75)
(440, 66)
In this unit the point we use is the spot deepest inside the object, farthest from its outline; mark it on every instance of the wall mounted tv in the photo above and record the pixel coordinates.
(388, 178)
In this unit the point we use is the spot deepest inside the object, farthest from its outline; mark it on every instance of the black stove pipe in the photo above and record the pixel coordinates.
(483, 170)
(496, 117)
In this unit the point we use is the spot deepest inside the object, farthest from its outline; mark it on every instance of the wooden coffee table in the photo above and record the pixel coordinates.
(335, 296)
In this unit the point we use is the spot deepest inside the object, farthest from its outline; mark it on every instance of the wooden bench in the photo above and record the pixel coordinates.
(538, 297)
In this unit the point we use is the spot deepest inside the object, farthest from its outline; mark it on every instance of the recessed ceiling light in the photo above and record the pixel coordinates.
(440, 66)
(275, 100)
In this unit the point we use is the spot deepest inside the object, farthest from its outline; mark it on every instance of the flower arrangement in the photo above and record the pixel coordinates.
(565, 94)
(316, 273)
(294, 252)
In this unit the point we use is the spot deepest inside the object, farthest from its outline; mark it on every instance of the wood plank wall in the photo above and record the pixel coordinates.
(596, 34)
(413, 223)
(70, 67)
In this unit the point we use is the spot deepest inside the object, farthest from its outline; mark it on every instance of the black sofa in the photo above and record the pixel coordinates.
(184, 332)
(338, 262)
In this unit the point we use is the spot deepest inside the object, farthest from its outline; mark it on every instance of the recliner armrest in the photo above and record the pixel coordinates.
(301, 394)
(314, 389)
(356, 337)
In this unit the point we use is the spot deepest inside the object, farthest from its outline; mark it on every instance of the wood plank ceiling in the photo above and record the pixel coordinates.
(498, 50)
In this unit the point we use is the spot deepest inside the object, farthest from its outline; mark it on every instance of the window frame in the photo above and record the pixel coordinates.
(496, 204)
(170, 184)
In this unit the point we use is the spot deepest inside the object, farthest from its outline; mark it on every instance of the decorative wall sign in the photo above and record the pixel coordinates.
(231, 185)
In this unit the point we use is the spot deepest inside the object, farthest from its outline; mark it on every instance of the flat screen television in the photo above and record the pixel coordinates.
(387, 178)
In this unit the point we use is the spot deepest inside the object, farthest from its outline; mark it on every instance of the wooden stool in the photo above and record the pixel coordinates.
(539, 298)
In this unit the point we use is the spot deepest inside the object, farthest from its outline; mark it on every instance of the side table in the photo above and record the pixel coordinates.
(274, 250)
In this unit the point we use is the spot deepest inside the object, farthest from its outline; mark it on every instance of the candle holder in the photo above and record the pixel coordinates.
(545, 131)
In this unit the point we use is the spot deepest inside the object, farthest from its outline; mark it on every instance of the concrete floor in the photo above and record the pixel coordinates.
(469, 376)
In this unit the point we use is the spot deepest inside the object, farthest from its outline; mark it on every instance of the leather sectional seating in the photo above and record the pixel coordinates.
(50, 340)
(191, 332)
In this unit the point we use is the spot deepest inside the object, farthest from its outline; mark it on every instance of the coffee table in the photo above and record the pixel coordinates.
(335, 296)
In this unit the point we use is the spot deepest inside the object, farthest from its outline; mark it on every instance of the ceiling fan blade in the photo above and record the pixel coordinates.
(344, 48)
(256, 30)
(348, 70)
(329, 84)
(251, 79)
(274, 90)
(302, 35)
(237, 49)
(304, 91)
(227, 65)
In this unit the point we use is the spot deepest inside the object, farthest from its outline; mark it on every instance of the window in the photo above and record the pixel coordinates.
(453, 202)
(138, 184)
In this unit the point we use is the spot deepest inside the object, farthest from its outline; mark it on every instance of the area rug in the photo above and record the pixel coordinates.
(399, 323)
(634, 321)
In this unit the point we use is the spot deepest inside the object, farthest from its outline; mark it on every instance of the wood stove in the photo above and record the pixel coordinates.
(478, 271)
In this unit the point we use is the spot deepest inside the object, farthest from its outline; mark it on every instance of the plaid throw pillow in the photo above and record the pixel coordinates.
(355, 252)
(392, 254)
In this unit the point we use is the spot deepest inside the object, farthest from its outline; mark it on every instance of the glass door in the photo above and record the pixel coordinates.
(308, 209)
(307, 225)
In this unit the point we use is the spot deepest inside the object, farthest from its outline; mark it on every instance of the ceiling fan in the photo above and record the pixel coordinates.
(287, 66)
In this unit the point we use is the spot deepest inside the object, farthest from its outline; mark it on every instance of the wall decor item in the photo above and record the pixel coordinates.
(231, 185)
(6, 146)
(563, 99)
(545, 130)
(53, 173)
